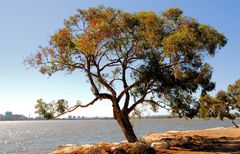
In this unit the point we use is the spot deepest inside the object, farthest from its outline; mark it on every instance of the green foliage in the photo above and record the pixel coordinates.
(158, 59)
(225, 104)
(48, 110)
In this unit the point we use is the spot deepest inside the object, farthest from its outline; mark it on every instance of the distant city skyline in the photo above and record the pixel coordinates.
(10, 116)
(28, 24)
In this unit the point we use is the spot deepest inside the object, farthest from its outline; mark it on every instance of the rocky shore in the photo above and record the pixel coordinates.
(210, 141)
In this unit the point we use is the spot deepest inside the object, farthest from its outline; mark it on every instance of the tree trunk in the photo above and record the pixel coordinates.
(235, 124)
(123, 120)
(127, 128)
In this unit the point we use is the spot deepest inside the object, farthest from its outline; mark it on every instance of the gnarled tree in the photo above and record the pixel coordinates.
(157, 60)
(225, 104)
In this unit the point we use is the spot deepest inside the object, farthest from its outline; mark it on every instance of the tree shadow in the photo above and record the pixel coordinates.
(221, 144)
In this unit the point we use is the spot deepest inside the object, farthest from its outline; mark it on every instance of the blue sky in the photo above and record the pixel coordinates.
(29, 23)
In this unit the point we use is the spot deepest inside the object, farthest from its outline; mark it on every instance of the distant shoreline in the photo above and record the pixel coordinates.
(111, 118)
(89, 118)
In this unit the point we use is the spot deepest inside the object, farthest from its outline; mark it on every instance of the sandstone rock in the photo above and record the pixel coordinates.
(173, 131)
(119, 147)
(150, 133)
(105, 145)
(186, 140)
(66, 146)
(125, 141)
(80, 149)
(161, 145)
(132, 148)
(140, 148)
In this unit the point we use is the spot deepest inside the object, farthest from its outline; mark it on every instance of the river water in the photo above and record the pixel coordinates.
(42, 137)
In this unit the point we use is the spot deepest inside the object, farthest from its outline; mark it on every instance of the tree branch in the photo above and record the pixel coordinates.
(115, 79)
(113, 63)
(95, 89)
(125, 85)
(128, 88)
(99, 97)
(101, 80)
(135, 104)
(77, 106)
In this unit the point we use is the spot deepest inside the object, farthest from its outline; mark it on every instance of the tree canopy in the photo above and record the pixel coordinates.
(225, 104)
(134, 58)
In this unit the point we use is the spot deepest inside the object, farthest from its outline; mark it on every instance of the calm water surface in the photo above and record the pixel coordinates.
(42, 137)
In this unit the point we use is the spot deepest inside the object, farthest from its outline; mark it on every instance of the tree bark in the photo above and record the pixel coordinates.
(235, 124)
(123, 121)
(127, 128)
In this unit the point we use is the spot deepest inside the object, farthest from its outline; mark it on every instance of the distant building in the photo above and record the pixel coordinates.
(10, 116)
(39, 118)
(19, 117)
(1, 117)
(74, 117)
(69, 117)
